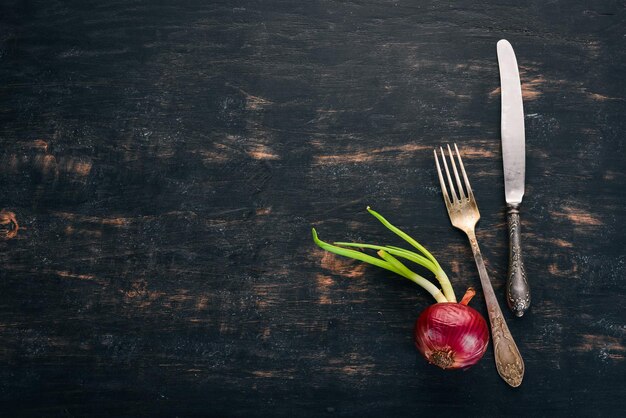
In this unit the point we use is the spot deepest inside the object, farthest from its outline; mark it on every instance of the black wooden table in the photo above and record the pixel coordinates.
(165, 161)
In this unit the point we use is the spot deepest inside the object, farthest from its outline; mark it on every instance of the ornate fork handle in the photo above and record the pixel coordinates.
(508, 358)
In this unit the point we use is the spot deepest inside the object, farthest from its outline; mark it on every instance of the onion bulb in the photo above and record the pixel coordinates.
(452, 335)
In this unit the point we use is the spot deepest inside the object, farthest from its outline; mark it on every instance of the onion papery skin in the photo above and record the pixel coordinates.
(451, 335)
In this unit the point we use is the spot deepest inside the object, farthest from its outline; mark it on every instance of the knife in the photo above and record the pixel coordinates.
(514, 160)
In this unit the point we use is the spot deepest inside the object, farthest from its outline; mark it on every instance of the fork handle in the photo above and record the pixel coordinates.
(517, 289)
(509, 362)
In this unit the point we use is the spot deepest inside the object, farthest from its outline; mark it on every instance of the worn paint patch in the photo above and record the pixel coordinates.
(562, 243)
(219, 155)
(47, 164)
(39, 144)
(557, 269)
(341, 266)
(266, 333)
(36, 155)
(531, 89)
(324, 284)
(262, 152)
(202, 303)
(263, 211)
(140, 295)
(79, 167)
(607, 347)
(579, 216)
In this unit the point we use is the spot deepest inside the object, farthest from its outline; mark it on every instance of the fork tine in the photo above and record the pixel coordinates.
(455, 199)
(470, 194)
(446, 196)
(456, 173)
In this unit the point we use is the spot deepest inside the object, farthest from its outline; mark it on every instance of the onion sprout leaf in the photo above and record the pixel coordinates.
(389, 262)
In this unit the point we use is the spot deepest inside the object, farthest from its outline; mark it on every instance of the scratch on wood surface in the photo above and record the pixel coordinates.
(476, 67)
(601, 97)
(475, 152)
(111, 221)
(267, 295)
(70, 230)
(256, 102)
(57, 342)
(352, 369)
(181, 296)
(275, 374)
(64, 273)
(225, 328)
(252, 102)
(403, 152)
(611, 175)
(351, 365)
(223, 148)
(594, 48)
(77, 276)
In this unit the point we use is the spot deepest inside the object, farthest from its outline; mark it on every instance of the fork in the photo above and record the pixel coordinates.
(464, 215)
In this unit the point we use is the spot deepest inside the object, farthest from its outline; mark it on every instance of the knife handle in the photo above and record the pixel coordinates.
(517, 289)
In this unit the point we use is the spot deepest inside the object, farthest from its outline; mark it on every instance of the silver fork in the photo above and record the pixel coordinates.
(464, 215)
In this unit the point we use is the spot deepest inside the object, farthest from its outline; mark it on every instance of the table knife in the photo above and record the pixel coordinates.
(514, 161)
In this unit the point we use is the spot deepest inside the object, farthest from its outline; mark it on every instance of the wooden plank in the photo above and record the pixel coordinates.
(165, 162)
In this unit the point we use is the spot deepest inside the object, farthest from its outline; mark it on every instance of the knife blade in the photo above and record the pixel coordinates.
(514, 163)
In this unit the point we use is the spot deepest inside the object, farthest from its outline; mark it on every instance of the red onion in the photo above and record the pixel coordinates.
(452, 335)
(449, 334)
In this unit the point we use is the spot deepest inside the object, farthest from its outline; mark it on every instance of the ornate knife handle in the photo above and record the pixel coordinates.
(517, 289)
(509, 362)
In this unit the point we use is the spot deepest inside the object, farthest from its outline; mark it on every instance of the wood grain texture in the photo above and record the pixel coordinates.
(165, 161)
